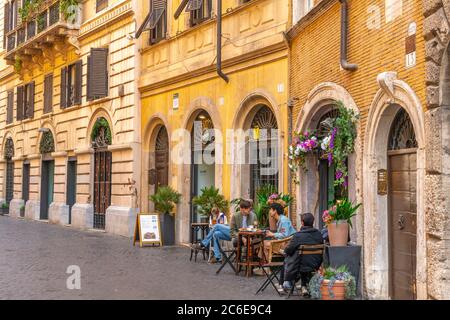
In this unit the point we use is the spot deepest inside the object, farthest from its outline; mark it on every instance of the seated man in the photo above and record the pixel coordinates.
(245, 218)
(295, 265)
(284, 227)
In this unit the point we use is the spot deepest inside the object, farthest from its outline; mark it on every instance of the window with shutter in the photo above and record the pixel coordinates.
(78, 81)
(97, 78)
(101, 4)
(48, 96)
(20, 106)
(10, 107)
(6, 23)
(63, 94)
(155, 21)
(29, 88)
(200, 11)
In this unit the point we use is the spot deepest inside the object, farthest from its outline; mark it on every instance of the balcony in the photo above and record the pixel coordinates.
(42, 30)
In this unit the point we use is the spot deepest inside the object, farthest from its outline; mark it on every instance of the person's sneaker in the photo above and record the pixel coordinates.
(305, 292)
(215, 260)
(280, 289)
(260, 271)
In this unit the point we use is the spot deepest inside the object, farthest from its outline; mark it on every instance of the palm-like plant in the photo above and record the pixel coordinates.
(344, 210)
(210, 197)
(165, 199)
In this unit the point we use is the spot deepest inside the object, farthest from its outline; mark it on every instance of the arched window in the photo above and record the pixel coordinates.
(402, 135)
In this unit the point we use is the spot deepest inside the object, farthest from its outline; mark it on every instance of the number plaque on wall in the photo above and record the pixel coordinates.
(382, 182)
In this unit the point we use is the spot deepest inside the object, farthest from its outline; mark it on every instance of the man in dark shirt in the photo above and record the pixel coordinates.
(302, 266)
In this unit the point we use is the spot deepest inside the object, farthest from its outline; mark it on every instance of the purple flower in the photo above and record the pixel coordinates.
(273, 196)
(339, 174)
(333, 136)
(306, 134)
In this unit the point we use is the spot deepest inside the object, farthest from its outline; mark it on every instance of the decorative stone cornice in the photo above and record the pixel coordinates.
(59, 154)
(119, 147)
(88, 150)
(33, 156)
(118, 12)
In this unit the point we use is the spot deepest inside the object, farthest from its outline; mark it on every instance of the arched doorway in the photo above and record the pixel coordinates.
(263, 150)
(159, 160)
(101, 139)
(8, 155)
(46, 147)
(402, 207)
(328, 191)
(202, 158)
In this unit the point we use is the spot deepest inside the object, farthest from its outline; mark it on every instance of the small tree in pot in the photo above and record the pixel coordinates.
(165, 200)
(209, 199)
(4, 208)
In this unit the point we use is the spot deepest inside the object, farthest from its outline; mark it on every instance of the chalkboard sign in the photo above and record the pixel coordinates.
(147, 230)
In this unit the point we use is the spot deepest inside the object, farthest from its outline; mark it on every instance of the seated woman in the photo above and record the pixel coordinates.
(284, 228)
(217, 217)
(219, 231)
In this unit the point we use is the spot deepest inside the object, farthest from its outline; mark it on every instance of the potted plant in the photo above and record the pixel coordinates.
(338, 219)
(165, 200)
(4, 209)
(333, 284)
(210, 197)
(266, 195)
(22, 210)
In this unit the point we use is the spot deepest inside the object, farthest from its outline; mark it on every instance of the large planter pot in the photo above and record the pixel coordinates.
(167, 229)
(4, 211)
(338, 233)
(337, 291)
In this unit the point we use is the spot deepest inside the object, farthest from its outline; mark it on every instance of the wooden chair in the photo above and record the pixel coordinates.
(274, 262)
(303, 250)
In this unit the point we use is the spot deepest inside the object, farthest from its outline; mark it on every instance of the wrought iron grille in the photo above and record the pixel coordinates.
(402, 135)
(47, 144)
(21, 36)
(263, 145)
(11, 42)
(54, 14)
(9, 149)
(31, 29)
(42, 21)
(99, 221)
(325, 126)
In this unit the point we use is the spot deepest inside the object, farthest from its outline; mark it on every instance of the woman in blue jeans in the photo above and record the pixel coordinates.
(219, 231)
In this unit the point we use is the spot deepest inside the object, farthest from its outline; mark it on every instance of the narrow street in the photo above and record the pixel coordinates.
(34, 257)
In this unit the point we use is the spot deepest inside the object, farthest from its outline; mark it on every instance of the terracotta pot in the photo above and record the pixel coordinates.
(338, 290)
(338, 234)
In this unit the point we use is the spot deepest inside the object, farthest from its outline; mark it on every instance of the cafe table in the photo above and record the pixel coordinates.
(250, 261)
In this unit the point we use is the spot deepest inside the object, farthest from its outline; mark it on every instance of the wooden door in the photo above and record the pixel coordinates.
(71, 193)
(9, 180)
(26, 183)
(47, 184)
(102, 186)
(162, 159)
(402, 223)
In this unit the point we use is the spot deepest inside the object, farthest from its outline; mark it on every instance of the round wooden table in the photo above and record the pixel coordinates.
(249, 262)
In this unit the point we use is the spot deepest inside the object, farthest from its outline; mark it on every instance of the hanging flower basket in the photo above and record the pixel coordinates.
(336, 144)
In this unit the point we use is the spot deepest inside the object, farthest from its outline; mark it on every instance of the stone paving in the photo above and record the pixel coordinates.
(34, 257)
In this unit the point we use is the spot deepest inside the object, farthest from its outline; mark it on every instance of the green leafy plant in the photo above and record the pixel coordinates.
(210, 197)
(266, 195)
(165, 199)
(5, 205)
(29, 9)
(22, 207)
(67, 7)
(332, 275)
(343, 210)
(101, 122)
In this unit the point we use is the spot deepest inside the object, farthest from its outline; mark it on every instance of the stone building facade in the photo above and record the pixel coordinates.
(69, 110)
(398, 84)
(180, 86)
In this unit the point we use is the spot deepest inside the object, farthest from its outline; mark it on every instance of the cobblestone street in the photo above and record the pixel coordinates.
(34, 257)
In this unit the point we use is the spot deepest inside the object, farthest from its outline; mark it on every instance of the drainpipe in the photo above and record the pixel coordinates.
(344, 38)
(219, 43)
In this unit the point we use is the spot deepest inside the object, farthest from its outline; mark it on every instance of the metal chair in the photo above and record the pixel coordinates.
(274, 262)
(228, 252)
(317, 249)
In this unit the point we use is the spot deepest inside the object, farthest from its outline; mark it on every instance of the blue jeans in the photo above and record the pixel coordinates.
(217, 233)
